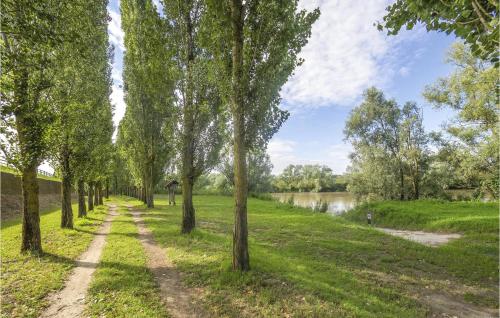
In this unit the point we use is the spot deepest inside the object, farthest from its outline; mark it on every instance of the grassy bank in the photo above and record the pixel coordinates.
(122, 285)
(315, 265)
(431, 215)
(27, 279)
(7, 169)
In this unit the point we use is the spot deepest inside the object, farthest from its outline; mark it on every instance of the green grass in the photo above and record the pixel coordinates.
(304, 264)
(122, 285)
(27, 279)
(16, 172)
(432, 215)
(308, 264)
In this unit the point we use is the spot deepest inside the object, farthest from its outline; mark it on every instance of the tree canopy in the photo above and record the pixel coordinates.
(475, 21)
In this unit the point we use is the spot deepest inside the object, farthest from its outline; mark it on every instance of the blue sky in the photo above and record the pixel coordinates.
(345, 55)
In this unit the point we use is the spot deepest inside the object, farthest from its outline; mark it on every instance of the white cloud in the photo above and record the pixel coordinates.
(115, 31)
(404, 71)
(281, 153)
(116, 75)
(345, 55)
(337, 157)
(286, 152)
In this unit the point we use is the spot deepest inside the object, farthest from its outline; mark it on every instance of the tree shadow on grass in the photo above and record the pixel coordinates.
(283, 276)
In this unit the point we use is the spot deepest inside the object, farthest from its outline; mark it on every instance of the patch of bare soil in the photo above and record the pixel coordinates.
(70, 301)
(447, 307)
(180, 301)
(426, 238)
(445, 300)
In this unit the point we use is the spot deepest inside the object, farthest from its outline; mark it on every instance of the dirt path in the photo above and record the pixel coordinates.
(70, 301)
(179, 300)
(426, 238)
(444, 306)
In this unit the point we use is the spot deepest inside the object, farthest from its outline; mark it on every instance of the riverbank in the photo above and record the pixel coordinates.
(431, 215)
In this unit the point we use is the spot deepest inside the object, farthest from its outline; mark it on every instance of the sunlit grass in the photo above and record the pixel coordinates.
(314, 265)
(7, 169)
(27, 279)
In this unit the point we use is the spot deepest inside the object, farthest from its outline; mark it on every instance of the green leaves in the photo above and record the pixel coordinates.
(144, 135)
(476, 21)
(472, 91)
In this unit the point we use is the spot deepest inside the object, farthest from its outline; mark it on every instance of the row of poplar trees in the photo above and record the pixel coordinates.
(56, 82)
(201, 75)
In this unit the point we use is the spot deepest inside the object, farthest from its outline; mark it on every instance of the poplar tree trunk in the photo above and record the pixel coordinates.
(143, 194)
(66, 209)
(241, 259)
(149, 189)
(91, 196)
(82, 209)
(416, 182)
(31, 238)
(188, 212)
(96, 193)
(402, 183)
(101, 195)
(106, 193)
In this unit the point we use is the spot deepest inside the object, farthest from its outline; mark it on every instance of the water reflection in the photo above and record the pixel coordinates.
(338, 202)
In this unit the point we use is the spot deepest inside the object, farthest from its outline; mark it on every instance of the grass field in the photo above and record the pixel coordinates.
(304, 264)
(122, 285)
(315, 265)
(431, 215)
(26, 279)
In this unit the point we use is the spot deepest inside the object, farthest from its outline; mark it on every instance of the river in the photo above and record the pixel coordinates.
(338, 202)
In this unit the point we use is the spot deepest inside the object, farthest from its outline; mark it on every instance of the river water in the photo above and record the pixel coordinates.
(338, 202)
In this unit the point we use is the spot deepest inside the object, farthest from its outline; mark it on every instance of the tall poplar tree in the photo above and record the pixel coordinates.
(199, 102)
(32, 33)
(148, 93)
(257, 45)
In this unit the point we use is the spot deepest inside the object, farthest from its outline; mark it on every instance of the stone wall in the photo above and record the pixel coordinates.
(12, 199)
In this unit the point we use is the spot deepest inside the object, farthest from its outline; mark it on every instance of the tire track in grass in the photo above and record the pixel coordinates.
(122, 285)
(181, 302)
(70, 301)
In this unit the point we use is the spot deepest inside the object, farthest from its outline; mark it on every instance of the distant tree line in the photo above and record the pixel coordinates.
(308, 178)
